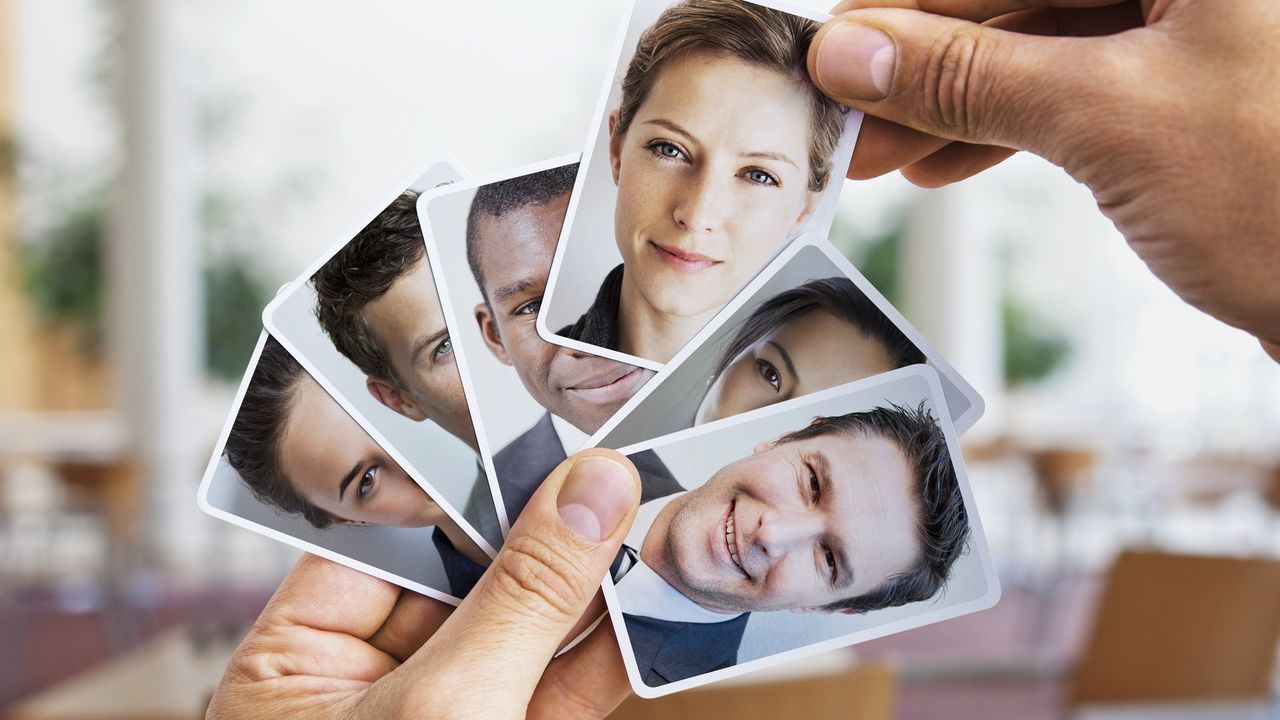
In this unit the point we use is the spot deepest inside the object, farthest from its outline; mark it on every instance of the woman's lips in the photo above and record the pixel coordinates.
(682, 261)
(616, 385)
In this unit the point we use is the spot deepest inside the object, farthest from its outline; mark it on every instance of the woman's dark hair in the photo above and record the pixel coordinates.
(838, 296)
(253, 446)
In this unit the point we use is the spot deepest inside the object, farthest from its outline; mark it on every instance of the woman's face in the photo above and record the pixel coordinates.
(336, 466)
(713, 179)
(813, 351)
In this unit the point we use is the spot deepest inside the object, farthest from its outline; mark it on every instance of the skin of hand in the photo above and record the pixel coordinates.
(1165, 109)
(334, 642)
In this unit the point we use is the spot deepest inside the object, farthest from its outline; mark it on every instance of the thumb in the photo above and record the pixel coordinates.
(958, 79)
(498, 642)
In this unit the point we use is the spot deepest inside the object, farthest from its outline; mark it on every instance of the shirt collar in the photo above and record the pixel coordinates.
(571, 438)
(644, 593)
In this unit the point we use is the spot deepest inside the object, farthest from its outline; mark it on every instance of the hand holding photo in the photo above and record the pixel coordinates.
(801, 527)
(712, 151)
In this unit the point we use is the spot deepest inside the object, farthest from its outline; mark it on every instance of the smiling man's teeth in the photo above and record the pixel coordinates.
(729, 538)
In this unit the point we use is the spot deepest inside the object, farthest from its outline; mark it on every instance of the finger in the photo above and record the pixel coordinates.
(413, 620)
(885, 146)
(963, 81)
(589, 681)
(953, 163)
(324, 595)
(492, 650)
(973, 10)
(316, 623)
(1272, 349)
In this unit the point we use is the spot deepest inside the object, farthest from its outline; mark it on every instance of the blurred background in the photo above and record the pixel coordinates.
(166, 165)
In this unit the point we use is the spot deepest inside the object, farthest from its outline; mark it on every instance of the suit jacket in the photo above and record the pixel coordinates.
(521, 467)
(666, 650)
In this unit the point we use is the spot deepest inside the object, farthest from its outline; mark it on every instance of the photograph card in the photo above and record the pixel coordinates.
(808, 322)
(709, 152)
(490, 242)
(798, 528)
(292, 465)
(364, 320)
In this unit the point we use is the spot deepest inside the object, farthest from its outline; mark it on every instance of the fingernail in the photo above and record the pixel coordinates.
(595, 497)
(856, 62)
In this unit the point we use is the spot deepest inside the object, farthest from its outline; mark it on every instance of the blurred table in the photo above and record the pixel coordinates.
(1179, 711)
(169, 678)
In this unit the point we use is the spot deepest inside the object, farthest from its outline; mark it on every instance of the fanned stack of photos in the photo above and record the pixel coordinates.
(802, 483)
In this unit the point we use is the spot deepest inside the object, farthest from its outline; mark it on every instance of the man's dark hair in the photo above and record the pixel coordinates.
(361, 272)
(499, 198)
(253, 446)
(838, 296)
(943, 523)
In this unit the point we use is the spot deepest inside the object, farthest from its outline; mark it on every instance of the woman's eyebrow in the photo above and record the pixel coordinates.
(786, 358)
(351, 475)
(763, 155)
(673, 127)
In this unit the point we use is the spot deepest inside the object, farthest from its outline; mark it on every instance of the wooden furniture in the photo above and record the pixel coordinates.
(1181, 629)
(852, 692)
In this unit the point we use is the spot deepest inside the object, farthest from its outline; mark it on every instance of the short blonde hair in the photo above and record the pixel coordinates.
(752, 33)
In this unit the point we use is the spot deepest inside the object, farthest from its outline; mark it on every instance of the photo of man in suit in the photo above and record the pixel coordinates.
(512, 229)
(378, 303)
(850, 514)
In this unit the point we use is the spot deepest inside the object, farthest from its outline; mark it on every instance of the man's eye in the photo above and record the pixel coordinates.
(444, 348)
(761, 177)
(815, 488)
(666, 150)
(769, 373)
(530, 308)
(366, 482)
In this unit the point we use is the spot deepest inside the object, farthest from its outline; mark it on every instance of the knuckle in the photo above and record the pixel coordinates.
(541, 578)
(949, 82)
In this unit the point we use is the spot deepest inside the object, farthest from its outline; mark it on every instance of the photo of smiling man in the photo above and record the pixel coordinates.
(824, 519)
(717, 151)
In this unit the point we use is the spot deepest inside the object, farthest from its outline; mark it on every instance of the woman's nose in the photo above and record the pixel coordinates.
(700, 205)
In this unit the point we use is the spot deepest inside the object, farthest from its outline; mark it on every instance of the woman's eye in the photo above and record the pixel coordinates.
(831, 562)
(815, 488)
(530, 308)
(770, 374)
(444, 348)
(366, 482)
(760, 177)
(666, 150)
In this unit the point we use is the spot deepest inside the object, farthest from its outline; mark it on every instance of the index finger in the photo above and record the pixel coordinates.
(321, 594)
(975, 10)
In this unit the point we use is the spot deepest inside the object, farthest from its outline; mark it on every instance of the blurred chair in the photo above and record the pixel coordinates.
(1180, 629)
(864, 692)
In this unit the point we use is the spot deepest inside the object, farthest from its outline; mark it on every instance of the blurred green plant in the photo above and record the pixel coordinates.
(62, 273)
(1034, 347)
(64, 276)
